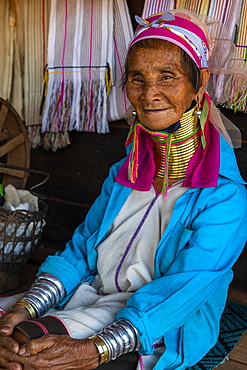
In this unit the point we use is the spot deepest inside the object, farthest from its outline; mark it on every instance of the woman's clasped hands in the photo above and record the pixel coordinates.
(56, 352)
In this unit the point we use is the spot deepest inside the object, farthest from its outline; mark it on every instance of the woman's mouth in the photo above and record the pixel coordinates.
(154, 111)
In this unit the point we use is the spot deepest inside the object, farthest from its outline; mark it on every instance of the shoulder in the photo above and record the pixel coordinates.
(224, 203)
(228, 163)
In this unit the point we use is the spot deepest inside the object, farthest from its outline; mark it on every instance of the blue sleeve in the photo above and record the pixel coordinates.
(77, 263)
(204, 246)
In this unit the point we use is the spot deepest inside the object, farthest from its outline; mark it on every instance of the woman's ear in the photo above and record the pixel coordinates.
(205, 75)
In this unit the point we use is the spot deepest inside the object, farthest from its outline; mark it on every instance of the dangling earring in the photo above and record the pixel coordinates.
(198, 111)
(130, 116)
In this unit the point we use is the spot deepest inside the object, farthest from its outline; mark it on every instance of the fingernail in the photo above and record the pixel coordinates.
(16, 367)
(22, 351)
(4, 328)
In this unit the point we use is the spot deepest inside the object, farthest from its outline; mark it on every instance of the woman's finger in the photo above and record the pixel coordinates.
(37, 345)
(7, 360)
(10, 320)
(10, 344)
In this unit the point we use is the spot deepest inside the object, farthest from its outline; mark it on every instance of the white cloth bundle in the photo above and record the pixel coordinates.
(23, 200)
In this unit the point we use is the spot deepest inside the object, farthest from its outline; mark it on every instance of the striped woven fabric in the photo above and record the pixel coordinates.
(7, 32)
(35, 20)
(122, 33)
(151, 7)
(236, 89)
(226, 10)
(241, 37)
(82, 66)
(24, 28)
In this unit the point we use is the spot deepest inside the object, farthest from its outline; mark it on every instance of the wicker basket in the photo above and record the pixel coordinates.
(20, 235)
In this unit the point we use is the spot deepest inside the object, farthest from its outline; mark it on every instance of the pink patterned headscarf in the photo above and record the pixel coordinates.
(179, 27)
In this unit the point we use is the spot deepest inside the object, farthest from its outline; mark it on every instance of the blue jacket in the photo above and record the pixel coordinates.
(193, 261)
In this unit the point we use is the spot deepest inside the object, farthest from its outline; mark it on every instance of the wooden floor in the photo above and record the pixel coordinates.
(237, 357)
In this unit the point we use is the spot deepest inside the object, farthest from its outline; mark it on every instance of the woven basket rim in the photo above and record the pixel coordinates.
(23, 216)
(15, 250)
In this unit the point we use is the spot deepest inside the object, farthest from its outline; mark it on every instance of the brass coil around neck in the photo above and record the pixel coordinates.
(177, 148)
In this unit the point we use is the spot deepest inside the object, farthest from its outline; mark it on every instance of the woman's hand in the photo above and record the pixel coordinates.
(11, 319)
(8, 349)
(10, 346)
(58, 352)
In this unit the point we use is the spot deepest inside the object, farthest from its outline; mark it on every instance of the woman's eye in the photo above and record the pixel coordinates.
(137, 80)
(166, 77)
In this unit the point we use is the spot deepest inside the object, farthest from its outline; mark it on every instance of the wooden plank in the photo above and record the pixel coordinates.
(3, 115)
(12, 144)
(239, 352)
(11, 172)
(231, 365)
(237, 296)
(4, 135)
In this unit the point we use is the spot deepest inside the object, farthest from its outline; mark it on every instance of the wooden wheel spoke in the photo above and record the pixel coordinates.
(4, 135)
(14, 147)
(11, 172)
(3, 114)
(12, 144)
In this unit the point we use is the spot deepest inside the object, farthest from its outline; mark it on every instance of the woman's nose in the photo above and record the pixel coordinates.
(150, 91)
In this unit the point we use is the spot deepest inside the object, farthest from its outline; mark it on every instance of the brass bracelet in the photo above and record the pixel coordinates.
(28, 307)
(101, 347)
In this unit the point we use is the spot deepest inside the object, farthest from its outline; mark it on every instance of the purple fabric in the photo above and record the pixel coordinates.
(202, 171)
(146, 165)
(203, 168)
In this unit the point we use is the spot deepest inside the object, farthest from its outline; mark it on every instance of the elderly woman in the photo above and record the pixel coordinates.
(149, 269)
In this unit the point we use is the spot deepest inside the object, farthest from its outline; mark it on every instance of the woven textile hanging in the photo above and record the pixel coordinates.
(6, 56)
(10, 59)
(241, 35)
(228, 11)
(82, 66)
(35, 20)
(24, 28)
(122, 34)
(236, 88)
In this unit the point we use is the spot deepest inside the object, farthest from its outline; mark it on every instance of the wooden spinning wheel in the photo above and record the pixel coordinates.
(14, 147)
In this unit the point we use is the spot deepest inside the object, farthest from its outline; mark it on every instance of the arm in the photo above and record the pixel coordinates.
(202, 251)
(72, 266)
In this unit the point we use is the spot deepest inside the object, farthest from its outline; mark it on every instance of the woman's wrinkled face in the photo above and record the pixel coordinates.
(158, 86)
